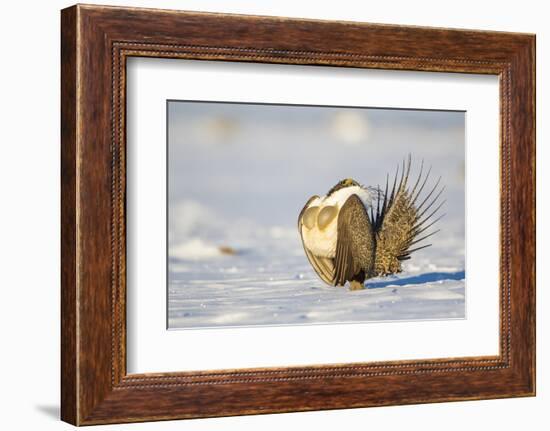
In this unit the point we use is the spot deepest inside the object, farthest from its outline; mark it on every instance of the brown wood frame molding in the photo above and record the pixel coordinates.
(95, 43)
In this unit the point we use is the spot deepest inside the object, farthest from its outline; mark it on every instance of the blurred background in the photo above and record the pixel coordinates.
(238, 176)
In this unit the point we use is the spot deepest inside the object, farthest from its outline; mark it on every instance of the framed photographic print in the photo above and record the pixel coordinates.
(265, 214)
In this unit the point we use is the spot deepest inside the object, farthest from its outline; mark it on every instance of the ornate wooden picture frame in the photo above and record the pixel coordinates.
(96, 41)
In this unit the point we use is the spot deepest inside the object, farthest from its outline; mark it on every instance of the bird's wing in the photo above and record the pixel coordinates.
(400, 219)
(323, 266)
(355, 245)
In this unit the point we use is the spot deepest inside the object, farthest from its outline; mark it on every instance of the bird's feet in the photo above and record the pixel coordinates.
(356, 285)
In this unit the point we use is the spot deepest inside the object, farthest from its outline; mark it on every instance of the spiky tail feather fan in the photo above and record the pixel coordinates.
(399, 220)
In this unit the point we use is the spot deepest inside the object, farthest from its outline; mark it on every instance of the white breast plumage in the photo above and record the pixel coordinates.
(322, 242)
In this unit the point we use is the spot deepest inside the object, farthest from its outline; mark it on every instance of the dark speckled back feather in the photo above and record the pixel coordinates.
(355, 246)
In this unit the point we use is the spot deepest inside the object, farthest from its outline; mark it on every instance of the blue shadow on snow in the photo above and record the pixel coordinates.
(429, 277)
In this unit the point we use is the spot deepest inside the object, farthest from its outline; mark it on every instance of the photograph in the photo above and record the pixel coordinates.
(299, 215)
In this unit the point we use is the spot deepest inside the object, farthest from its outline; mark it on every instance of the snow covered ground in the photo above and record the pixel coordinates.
(246, 198)
(268, 281)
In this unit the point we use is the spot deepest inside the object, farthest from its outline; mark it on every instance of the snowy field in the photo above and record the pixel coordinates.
(270, 282)
(235, 255)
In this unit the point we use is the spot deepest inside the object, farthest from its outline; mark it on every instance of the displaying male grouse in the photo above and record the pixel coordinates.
(347, 237)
